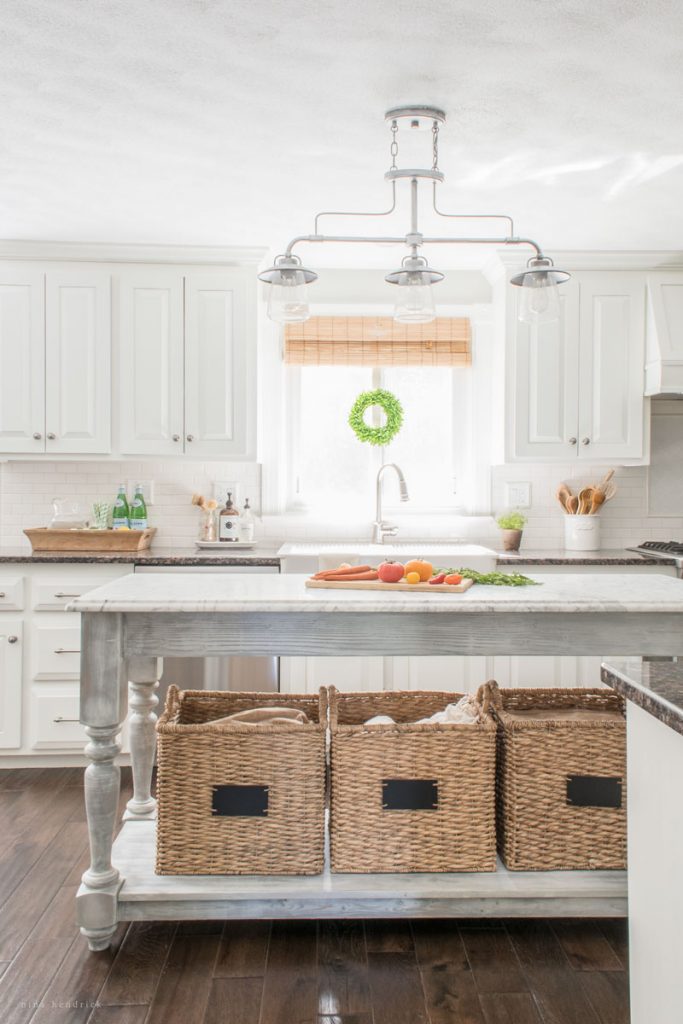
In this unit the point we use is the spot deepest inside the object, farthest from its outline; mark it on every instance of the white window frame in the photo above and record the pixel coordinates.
(472, 400)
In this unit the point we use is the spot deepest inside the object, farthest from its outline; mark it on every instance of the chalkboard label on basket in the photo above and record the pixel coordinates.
(593, 791)
(240, 801)
(410, 794)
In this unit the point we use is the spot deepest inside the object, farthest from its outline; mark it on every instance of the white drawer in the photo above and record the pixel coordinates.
(54, 595)
(56, 651)
(54, 718)
(11, 593)
(55, 722)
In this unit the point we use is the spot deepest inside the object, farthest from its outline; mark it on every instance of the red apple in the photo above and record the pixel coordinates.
(390, 572)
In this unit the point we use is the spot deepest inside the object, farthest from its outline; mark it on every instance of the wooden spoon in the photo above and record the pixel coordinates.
(598, 500)
(585, 500)
(573, 505)
(563, 494)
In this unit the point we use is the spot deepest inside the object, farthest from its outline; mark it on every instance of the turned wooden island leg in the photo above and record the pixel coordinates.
(143, 681)
(103, 703)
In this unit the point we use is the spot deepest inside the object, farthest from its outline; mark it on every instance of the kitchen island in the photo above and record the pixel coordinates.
(128, 625)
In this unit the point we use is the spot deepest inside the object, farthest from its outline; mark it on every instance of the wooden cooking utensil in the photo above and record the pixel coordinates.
(573, 505)
(563, 494)
(598, 500)
(605, 480)
(609, 491)
(585, 500)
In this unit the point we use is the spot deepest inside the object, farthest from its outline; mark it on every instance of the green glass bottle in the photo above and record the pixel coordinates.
(138, 510)
(121, 514)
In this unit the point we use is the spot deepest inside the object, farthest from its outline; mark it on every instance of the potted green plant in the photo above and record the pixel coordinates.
(511, 524)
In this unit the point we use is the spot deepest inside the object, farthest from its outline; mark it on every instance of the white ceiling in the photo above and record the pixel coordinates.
(224, 122)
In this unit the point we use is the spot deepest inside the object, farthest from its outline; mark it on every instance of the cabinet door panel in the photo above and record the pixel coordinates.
(439, 672)
(151, 363)
(10, 681)
(219, 361)
(78, 361)
(22, 361)
(611, 366)
(546, 384)
(307, 675)
(57, 651)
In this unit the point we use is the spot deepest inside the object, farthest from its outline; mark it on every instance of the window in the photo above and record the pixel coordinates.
(331, 469)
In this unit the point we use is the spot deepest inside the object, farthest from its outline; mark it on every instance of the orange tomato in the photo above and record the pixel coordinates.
(453, 579)
(425, 569)
(413, 577)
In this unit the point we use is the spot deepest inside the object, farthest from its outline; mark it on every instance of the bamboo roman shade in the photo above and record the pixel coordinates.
(378, 341)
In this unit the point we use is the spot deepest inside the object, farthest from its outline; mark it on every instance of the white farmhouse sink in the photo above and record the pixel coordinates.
(313, 557)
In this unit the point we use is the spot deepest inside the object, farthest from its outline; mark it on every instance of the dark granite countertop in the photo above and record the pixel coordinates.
(155, 556)
(655, 685)
(608, 556)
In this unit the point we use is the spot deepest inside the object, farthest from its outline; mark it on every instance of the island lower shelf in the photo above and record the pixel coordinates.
(147, 896)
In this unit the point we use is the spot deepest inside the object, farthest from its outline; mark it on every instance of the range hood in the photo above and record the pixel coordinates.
(664, 334)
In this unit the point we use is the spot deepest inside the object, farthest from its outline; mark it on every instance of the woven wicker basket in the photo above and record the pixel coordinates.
(561, 778)
(409, 797)
(240, 799)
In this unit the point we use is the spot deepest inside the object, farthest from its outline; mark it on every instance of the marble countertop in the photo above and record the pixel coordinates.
(237, 592)
(607, 556)
(654, 685)
(259, 555)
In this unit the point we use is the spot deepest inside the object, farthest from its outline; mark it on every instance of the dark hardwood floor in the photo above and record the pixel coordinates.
(373, 972)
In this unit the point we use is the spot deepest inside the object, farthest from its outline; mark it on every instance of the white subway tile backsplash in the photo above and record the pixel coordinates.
(27, 490)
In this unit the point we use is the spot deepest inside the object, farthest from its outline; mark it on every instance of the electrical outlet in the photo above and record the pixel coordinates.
(221, 488)
(518, 494)
(147, 489)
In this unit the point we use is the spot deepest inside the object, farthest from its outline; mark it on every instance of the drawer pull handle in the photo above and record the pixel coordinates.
(65, 650)
(60, 719)
(2, 593)
(12, 639)
(61, 593)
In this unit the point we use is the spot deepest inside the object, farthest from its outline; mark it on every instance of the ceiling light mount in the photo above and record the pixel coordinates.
(289, 279)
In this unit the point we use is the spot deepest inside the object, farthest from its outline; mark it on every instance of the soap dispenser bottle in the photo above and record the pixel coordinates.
(227, 521)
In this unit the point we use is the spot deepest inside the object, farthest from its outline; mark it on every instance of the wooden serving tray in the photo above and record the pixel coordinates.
(420, 588)
(43, 539)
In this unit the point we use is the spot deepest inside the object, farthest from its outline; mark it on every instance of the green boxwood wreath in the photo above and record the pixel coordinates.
(392, 409)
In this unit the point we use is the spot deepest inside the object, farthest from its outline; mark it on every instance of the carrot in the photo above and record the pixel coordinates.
(372, 574)
(326, 573)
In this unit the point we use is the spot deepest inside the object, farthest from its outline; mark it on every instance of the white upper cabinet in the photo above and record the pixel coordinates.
(546, 378)
(577, 386)
(187, 359)
(218, 365)
(664, 336)
(22, 360)
(151, 362)
(611, 366)
(78, 362)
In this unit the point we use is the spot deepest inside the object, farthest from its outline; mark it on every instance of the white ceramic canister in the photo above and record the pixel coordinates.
(581, 533)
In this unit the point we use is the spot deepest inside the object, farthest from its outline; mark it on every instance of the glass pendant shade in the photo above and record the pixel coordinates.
(539, 303)
(415, 301)
(288, 298)
(539, 300)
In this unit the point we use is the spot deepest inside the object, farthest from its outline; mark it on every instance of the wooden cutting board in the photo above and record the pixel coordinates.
(420, 588)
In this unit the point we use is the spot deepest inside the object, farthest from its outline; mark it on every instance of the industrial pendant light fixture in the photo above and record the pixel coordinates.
(289, 280)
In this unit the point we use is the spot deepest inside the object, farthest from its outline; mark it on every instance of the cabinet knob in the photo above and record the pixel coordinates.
(12, 639)
(37, 436)
(176, 437)
(190, 437)
(51, 437)
(572, 440)
(585, 440)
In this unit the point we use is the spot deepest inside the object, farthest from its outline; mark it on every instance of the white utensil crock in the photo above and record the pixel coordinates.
(581, 533)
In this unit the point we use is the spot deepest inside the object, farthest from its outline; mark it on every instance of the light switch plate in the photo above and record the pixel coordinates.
(221, 488)
(518, 494)
(147, 489)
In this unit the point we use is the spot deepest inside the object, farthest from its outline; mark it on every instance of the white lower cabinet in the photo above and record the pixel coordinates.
(459, 674)
(40, 662)
(11, 657)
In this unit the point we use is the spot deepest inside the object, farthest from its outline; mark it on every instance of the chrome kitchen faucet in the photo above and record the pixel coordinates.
(381, 529)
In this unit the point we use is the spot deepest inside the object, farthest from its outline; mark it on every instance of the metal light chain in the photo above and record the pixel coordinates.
(435, 146)
(394, 145)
